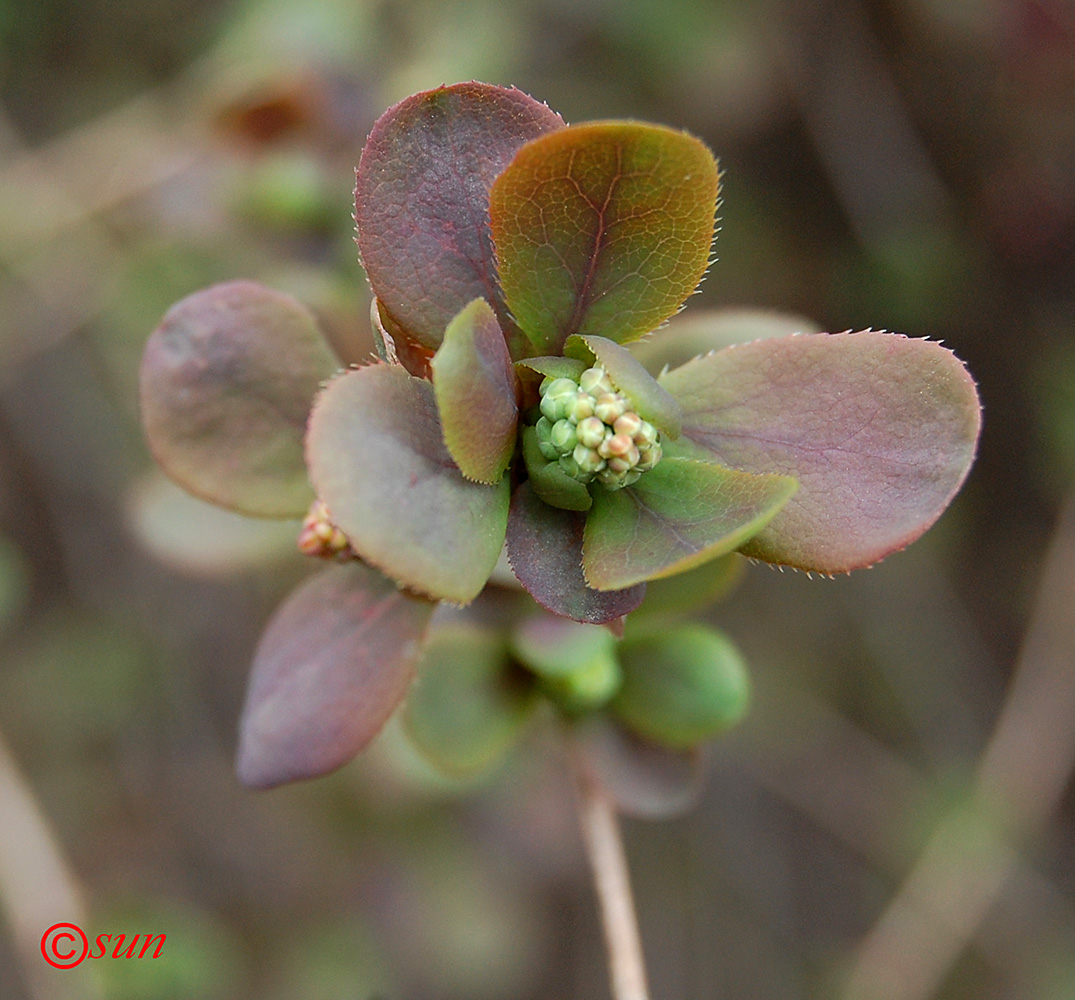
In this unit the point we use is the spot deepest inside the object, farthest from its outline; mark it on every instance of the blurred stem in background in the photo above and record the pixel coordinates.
(37, 889)
(1021, 778)
(608, 860)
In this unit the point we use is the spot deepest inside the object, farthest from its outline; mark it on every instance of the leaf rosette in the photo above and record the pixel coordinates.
(514, 261)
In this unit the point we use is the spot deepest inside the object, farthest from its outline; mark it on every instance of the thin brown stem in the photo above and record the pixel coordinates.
(604, 849)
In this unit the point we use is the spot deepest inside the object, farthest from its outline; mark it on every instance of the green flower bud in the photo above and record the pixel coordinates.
(581, 407)
(589, 429)
(628, 423)
(646, 435)
(571, 468)
(562, 437)
(610, 407)
(591, 432)
(648, 457)
(588, 460)
(595, 381)
(557, 397)
(617, 445)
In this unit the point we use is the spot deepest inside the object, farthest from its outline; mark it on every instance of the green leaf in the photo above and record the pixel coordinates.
(468, 704)
(682, 685)
(603, 228)
(696, 332)
(879, 429)
(576, 662)
(422, 197)
(377, 459)
(645, 779)
(227, 382)
(476, 388)
(549, 481)
(555, 366)
(333, 664)
(677, 516)
(650, 400)
(545, 552)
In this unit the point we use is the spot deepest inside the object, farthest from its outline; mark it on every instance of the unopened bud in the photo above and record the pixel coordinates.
(581, 407)
(320, 537)
(610, 407)
(629, 423)
(595, 381)
(588, 460)
(591, 432)
(562, 437)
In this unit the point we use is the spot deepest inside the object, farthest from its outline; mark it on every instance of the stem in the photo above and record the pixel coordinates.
(604, 849)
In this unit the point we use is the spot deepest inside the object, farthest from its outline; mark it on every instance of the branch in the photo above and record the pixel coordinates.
(604, 849)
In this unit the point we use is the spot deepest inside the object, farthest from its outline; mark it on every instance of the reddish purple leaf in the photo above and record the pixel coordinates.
(334, 662)
(377, 457)
(422, 200)
(227, 382)
(545, 552)
(880, 430)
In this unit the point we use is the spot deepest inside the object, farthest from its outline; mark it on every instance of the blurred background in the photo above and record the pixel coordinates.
(901, 164)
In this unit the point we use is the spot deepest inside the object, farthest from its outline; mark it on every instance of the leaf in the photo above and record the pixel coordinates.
(396, 346)
(681, 685)
(644, 779)
(545, 552)
(333, 664)
(603, 228)
(650, 400)
(880, 430)
(475, 386)
(577, 663)
(555, 366)
(549, 481)
(227, 382)
(377, 458)
(698, 332)
(468, 704)
(422, 197)
(677, 516)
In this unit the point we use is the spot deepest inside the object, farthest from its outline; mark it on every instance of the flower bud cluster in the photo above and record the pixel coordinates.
(320, 537)
(591, 431)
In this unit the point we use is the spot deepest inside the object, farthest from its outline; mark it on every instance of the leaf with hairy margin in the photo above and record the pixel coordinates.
(227, 382)
(333, 664)
(476, 389)
(879, 429)
(677, 516)
(422, 199)
(602, 228)
(649, 399)
(377, 458)
(545, 552)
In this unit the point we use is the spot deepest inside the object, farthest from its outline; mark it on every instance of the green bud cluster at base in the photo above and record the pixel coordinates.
(590, 430)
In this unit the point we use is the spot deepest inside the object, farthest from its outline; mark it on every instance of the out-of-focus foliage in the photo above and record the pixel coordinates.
(910, 163)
